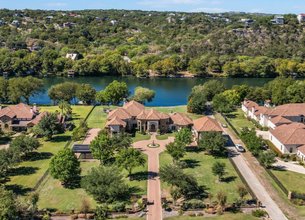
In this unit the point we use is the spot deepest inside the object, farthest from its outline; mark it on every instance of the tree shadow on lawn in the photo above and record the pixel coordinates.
(190, 163)
(228, 179)
(34, 156)
(61, 138)
(18, 189)
(22, 171)
(232, 115)
(135, 190)
(139, 176)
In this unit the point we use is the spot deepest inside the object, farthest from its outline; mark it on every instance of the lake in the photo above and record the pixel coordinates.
(169, 91)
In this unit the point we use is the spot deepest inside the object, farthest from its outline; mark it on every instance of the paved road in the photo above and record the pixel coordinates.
(291, 166)
(272, 208)
(153, 183)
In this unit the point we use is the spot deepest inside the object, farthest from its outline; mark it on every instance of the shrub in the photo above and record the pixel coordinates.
(119, 207)
(259, 213)
(193, 204)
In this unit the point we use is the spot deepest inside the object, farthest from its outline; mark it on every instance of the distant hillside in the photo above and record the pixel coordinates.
(156, 43)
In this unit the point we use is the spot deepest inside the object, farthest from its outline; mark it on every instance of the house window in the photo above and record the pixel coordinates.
(290, 150)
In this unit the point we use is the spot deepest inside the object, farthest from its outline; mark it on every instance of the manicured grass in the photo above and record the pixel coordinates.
(291, 180)
(200, 165)
(27, 173)
(98, 117)
(140, 137)
(165, 136)
(53, 195)
(239, 121)
(181, 109)
(227, 216)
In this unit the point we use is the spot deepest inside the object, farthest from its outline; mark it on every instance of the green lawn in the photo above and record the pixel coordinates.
(181, 109)
(201, 167)
(165, 136)
(140, 137)
(239, 121)
(24, 176)
(227, 216)
(291, 180)
(53, 195)
(98, 117)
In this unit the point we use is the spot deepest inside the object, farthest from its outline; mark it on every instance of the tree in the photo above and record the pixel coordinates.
(184, 136)
(219, 169)
(130, 158)
(65, 108)
(48, 126)
(106, 184)
(24, 88)
(86, 93)
(101, 212)
(121, 141)
(22, 144)
(3, 90)
(143, 94)
(8, 207)
(222, 104)
(176, 150)
(213, 142)
(63, 92)
(65, 167)
(252, 141)
(242, 192)
(81, 131)
(267, 158)
(102, 148)
(114, 93)
(5, 162)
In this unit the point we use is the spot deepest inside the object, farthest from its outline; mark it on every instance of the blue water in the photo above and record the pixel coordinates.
(169, 91)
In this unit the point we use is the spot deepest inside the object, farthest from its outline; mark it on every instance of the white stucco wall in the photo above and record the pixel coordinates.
(285, 149)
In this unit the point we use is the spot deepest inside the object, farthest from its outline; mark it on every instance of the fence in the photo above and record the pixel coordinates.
(229, 123)
(46, 173)
(243, 180)
(278, 182)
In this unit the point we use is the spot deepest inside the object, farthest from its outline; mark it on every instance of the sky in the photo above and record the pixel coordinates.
(262, 6)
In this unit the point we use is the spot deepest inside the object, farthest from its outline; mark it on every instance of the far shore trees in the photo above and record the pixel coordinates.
(65, 167)
(63, 92)
(143, 95)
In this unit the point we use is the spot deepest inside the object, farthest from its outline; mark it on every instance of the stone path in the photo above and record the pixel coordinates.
(291, 166)
(91, 134)
(153, 183)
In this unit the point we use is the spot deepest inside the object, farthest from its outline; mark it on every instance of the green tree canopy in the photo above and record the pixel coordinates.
(48, 126)
(8, 206)
(143, 94)
(63, 92)
(114, 93)
(176, 150)
(184, 136)
(130, 158)
(219, 169)
(86, 93)
(65, 167)
(213, 142)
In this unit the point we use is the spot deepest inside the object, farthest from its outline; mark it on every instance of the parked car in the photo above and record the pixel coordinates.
(224, 125)
(239, 148)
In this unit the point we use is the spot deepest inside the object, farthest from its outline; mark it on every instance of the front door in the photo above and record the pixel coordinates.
(152, 128)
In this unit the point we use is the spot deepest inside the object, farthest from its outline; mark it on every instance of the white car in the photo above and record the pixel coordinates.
(239, 148)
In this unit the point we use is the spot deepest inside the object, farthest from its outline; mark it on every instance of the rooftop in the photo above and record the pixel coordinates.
(206, 124)
(293, 133)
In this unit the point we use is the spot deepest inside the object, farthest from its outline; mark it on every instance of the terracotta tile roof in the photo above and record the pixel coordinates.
(293, 133)
(134, 108)
(249, 104)
(302, 149)
(153, 115)
(120, 113)
(294, 109)
(37, 119)
(19, 111)
(206, 124)
(261, 110)
(181, 119)
(280, 120)
(116, 121)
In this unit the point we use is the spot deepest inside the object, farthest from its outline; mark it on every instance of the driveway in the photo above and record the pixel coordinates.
(91, 134)
(153, 183)
(259, 190)
(291, 166)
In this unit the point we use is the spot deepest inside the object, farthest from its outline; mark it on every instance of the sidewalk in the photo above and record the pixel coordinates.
(291, 166)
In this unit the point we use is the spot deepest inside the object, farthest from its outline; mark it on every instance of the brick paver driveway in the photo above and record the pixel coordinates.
(153, 183)
(92, 133)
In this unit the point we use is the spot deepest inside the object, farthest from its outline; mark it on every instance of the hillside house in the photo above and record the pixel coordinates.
(278, 19)
(301, 18)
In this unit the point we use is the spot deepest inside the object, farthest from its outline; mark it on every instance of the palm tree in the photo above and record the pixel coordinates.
(65, 108)
(222, 200)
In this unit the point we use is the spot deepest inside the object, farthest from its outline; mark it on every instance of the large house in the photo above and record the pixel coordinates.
(134, 116)
(19, 117)
(286, 125)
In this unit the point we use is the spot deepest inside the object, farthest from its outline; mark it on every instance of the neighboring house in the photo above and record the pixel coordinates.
(133, 115)
(301, 18)
(69, 24)
(273, 117)
(205, 124)
(72, 56)
(288, 137)
(15, 23)
(247, 21)
(301, 152)
(278, 19)
(19, 117)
